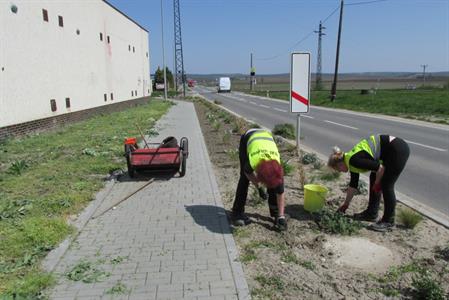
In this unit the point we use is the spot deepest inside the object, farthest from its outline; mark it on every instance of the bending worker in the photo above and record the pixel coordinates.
(385, 156)
(260, 163)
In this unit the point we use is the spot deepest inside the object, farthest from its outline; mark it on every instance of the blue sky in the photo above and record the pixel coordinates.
(219, 35)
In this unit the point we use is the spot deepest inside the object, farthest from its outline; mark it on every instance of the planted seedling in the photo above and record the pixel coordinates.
(337, 223)
(309, 158)
(287, 167)
(226, 137)
(409, 218)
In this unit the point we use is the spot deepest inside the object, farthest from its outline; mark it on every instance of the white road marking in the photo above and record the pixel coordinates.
(278, 109)
(254, 103)
(265, 106)
(347, 126)
(426, 146)
(306, 116)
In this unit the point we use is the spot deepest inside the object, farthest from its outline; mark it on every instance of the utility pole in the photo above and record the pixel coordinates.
(334, 84)
(163, 54)
(424, 73)
(318, 82)
(179, 59)
(252, 73)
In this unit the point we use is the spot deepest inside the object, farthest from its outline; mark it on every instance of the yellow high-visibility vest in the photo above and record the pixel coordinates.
(261, 146)
(370, 145)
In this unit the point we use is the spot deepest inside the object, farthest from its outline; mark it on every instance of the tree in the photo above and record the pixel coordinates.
(159, 76)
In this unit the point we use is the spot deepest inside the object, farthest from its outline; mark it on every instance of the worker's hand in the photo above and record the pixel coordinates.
(342, 209)
(262, 194)
(377, 187)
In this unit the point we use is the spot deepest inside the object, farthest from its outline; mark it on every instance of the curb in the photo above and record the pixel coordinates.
(423, 209)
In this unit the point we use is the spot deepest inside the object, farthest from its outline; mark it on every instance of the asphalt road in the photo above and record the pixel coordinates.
(426, 176)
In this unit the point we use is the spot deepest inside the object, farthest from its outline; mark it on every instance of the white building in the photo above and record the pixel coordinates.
(61, 56)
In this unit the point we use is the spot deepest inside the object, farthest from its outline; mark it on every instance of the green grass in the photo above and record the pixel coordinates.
(426, 287)
(286, 130)
(64, 169)
(409, 218)
(416, 104)
(287, 167)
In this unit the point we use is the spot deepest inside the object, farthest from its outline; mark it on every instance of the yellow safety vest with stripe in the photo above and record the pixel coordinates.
(370, 145)
(261, 146)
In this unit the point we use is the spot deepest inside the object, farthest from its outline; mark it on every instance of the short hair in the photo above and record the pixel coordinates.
(336, 157)
(270, 173)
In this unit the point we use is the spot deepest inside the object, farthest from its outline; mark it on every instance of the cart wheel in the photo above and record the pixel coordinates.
(182, 172)
(184, 145)
(128, 150)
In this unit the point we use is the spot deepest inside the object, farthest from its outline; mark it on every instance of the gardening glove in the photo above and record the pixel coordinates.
(342, 209)
(262, 194)
(377, 187)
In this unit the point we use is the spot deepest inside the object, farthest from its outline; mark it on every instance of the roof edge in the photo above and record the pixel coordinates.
(125, 15)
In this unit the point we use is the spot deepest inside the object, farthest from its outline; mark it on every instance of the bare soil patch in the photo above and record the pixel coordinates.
(305, 262)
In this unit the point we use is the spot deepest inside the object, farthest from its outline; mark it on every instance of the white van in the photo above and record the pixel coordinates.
(224, 84)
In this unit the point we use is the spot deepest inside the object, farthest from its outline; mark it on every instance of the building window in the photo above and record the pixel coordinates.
(132, 93)
(45, 15)
(53, 104)
(134, 50)
(135, 93)
(112, 96)
(105, 98)
(78, 32)
(148, 91)
(147, 54)
(67, 102)
(101, 36)
(109, 40)
(129, 48)
(14, 8)
(60, 21)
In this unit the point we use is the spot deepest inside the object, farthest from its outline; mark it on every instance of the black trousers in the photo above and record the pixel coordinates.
(242, 187)
(394, 163)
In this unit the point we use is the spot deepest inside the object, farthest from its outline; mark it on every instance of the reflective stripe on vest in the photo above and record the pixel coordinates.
(371, 145)
(261, 146)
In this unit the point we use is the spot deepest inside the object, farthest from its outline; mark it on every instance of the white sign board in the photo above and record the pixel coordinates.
(300, 83)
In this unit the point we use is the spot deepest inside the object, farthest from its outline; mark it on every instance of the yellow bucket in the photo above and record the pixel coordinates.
(314, 196)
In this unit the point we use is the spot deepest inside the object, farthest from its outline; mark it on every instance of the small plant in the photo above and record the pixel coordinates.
(254, 125)
(240, 232)
(271, 282)
(218, 102)
(443, 252)
(309, 158)
(152, 132)
(226, 137)
(409, 218)
(256, 200)
(337, 223)
(85, 271)
(118, 288)
(211, 117)
(17, 167)
(426, 287)
(330, 175)
(239, 126)
(216, 125)
(390, 292)
(288, 168)
(248, 255)
(317, 165)
(233, 154)
(227, 119)
(285, 130)
(118, 260)
(362, 188)
(307, 264)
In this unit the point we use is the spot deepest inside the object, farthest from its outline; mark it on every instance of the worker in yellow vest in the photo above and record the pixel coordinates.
(260, 164)
(385, 156)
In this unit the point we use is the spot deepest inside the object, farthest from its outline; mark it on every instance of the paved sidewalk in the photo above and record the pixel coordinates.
(169, 241)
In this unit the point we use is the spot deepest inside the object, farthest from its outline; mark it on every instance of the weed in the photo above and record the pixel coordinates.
(307, 264)
(409, 218)
(29, 286)
(254, 125)
(290, 257)
(233, 154)
(337, 223)
(227, 119)
(426, 287)
(248, 255)
(271, 282)
(90, 152)
(239, 126)
(394, 273)
(240, 232)
(85, 271)
(216, 125)
(118, 259)
(285, 130)
(152, 132)
(211, 118)
(329, 175)
(390, 292)
(18, 167)
(362, 188)
(226, 137)
(443, 252)
(118, 288)
(309, 158)
(317, 165)
(288, 168)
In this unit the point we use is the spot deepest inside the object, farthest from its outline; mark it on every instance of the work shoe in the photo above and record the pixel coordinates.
(382, 226)
(281, 223)
(240, 219)
(365, 216)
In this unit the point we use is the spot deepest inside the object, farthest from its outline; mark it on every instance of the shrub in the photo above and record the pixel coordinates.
(427, 288)
(309, 158)
(409, 218)
(288, 168)
(337, 223)
(285, 130)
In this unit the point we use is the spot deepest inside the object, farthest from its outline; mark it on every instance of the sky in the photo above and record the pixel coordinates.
(219, 35)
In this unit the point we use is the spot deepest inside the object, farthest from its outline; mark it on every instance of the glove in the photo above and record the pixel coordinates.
(262, 194)
(342, 209)
(377, 187)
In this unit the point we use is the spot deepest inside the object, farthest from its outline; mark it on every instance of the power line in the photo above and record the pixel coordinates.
(365, 2)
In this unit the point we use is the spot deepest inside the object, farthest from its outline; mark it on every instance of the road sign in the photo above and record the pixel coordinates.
(300, 83)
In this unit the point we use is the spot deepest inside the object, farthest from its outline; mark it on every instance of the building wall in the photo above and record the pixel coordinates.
(41, 61)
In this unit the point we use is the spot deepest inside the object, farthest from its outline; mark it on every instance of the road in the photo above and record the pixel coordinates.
(426, 176)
